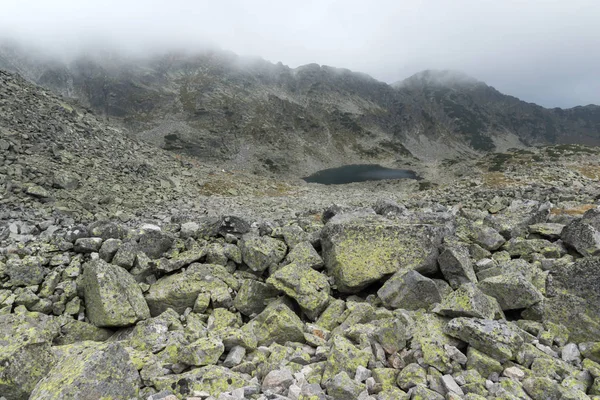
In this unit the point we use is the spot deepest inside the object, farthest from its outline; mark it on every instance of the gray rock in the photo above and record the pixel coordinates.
(277, 381)
(112, 297)
(486, 237)
(342, 387)
(262, 252)
(26, 271)
(305, 285)
(277, 324)
(451, 386)
(409, 290)
(154, 243)
(305, 254)
(582, 237)
(109, 249)
(468, 301)
(361, 249)
(512, 291)
(498, 339)
(253, 296)
(125, 255)
(90, 370)
(235, 356)
(66, 180)
(570, 353)
(456, 266)
(25, 354)
(87, 245)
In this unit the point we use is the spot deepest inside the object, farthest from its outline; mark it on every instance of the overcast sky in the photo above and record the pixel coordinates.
(542, 51)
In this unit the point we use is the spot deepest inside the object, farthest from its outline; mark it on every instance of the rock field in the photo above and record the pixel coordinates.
(129, 273)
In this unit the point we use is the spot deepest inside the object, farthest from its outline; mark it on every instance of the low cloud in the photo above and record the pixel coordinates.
(542, 51)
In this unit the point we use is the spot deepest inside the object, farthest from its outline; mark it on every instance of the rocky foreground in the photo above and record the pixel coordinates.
(128, 273)
(371, 303)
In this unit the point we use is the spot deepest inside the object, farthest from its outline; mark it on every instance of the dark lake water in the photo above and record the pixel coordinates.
(359, 173)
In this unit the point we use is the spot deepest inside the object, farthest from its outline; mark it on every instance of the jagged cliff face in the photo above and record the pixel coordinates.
(243, 112)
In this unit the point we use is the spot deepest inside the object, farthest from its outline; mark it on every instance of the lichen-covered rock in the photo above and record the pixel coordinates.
(262, 252)
(455, 264)
(305, 254)
(499, 339)
(179, 291)
(112, 297)
(391, 333)
(525, 248)
(107, 230)
(125, 255)
(512, 291)
(26, 271)
(341, 387)
(582, 237)
(574, 298)
(72, 331)
(411, 376)
(277, 324)
(253, 296)
(25, 355)
(154, 243)
(409, 290)
(344, 357)
(542, 388)
(361, 250)
(204, 351)
(90, 370)
(469, 301)
(482, 363)
(109, 249)
(212, 379)
(486, 237)
(87, 245)
(305, 285)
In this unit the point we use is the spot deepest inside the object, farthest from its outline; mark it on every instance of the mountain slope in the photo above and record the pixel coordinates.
(250, 113)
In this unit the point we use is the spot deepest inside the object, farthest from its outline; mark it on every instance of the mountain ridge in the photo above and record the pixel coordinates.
(250, 113)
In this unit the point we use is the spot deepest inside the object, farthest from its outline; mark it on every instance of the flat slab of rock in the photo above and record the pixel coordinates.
(361, 250)
(469, 301)
(112, 297)
(500, 340)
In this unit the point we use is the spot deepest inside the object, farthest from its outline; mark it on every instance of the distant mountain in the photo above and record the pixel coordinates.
(249, 112)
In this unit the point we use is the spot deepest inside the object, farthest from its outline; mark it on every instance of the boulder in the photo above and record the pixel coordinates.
(344, 357)
(305, 285)
(499, 339)
(212, 379)
(469, 301)
(253, 296)
(512, 291)
(360, 250)
(25, 353)
(582, 237)
(262, 252)
(455, 264)
(277, 324)
(409, 290)
(305, 254)
(26, 271)
(89, 371)
(180, 291)
(154, 243)
(204, 351)
(112, 297)
(486, 237)
(342, 387)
